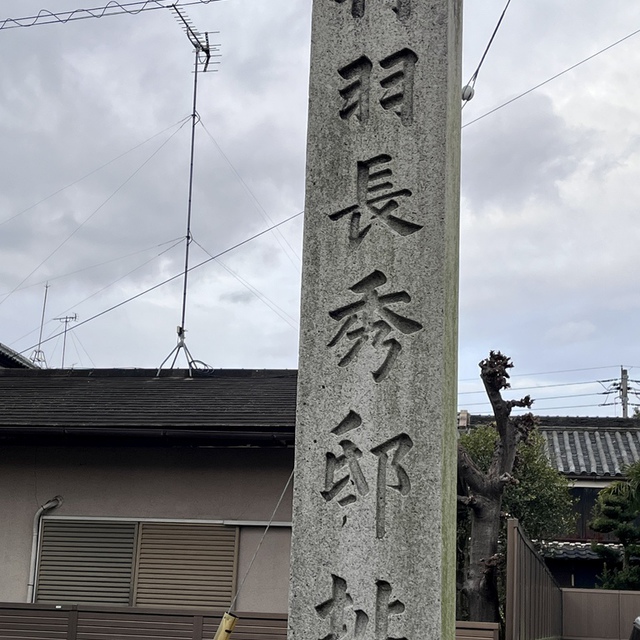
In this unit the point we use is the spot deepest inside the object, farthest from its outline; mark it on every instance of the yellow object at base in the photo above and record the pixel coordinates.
(227, 624)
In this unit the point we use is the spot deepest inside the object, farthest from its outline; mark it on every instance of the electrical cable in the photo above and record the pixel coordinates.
(542, 386)
(92, 214)
(521, 95)
(95, 266)
(106, 164)
(576, 395)
(112, 8)
(474, 77)
(264, 535)
(546, 373)
(261, 210)
(279, 311)
(95, 293)
(76, 341)
(171, 279)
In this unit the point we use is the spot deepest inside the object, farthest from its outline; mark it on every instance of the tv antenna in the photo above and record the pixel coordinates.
(204, 51)
(37, 357)
(66, 319)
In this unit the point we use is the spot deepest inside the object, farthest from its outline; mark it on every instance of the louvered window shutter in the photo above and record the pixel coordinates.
(86, 562)
(185, 565)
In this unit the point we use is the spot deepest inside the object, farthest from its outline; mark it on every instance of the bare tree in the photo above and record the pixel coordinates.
(481, 491)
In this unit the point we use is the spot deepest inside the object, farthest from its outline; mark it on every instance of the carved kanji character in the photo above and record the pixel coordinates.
(400, 446)
(398, 84)
(356, 92)
(350, 458)
(344, 621)
(384, 609)
(370, 320)
(376, 200)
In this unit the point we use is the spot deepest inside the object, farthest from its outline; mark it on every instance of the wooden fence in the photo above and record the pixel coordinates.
(85, 622)
(534, 599)
(598, 614)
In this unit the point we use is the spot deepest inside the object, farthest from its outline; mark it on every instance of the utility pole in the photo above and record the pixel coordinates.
(624, 389)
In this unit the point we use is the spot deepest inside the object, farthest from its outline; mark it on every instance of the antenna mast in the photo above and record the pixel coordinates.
(37, 357)
(203, 55)
(66, 319)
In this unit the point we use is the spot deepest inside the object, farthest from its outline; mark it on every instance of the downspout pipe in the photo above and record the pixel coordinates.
(47, 506)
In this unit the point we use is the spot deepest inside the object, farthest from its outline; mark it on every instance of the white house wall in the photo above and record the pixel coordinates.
(210, 484)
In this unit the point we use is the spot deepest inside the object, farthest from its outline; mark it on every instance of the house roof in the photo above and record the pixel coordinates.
(557, 550)
(10, 359)
(588, 448)
(234, 406)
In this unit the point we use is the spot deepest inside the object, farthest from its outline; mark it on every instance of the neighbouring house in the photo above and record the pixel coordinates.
(156, 489)
(592, 453)
(10, 359)
(125, 491)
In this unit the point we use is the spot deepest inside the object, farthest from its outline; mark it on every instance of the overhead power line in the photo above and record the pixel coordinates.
(172, 278)
(542, 386)
(528, 91)
(112, 8)
(86, 175)
(95, 211)
(472, 81)
(546, 373)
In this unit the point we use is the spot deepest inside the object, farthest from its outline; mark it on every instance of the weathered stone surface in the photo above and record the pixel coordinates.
(374, 498)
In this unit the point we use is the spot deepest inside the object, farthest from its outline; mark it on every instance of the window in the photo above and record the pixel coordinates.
(147, 564)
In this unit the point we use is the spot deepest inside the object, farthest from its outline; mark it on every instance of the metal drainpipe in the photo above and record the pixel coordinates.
(47, 506)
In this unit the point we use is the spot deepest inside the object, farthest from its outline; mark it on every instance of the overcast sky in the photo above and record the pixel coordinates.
(94, 166)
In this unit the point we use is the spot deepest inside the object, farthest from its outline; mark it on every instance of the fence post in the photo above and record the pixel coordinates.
(72, 623)
(512, 570)
(197, 627)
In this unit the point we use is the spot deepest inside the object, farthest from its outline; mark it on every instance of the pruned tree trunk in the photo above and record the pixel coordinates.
(481, 491)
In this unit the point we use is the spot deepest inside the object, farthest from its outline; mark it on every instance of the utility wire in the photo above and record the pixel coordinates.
(474, 77)
(279, 311)
(112, 8)
(99, 264)
(542, 386)
(95, 293)
(261, 210)
(521, 95)
(576, 395)
(106, 164)
(178, 275)
(546, 373)
(92, 214)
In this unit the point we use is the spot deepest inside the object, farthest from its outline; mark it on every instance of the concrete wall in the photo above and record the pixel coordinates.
(208, 484)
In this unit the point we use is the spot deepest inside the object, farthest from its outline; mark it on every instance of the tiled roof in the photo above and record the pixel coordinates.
(592, 452)
(579, 447)
(254, 404)
(10, 359)
(572, 550)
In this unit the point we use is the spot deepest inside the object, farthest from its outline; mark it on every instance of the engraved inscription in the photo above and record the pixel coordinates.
(357, 7)
(347, 622)
(398, 85)
(344, 620)
(345, 479)
(385, 608)
(396, 80)
(402, 8)
(356, 92)
(376, 201)
(398, 447)
(370, 320)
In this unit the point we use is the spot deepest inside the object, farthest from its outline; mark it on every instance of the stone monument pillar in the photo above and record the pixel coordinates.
(373, 552)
